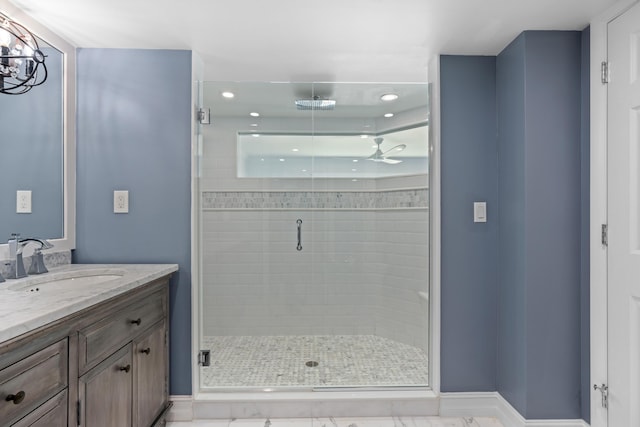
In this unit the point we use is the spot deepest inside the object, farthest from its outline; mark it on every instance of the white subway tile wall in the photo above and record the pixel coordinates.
(361, 271)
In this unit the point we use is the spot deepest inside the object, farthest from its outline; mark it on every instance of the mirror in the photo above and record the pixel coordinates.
(38, 146)
(32, 155)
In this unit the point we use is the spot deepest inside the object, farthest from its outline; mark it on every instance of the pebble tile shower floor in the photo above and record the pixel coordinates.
(342, 361)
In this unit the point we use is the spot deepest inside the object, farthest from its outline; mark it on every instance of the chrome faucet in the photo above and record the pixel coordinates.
(16, 246)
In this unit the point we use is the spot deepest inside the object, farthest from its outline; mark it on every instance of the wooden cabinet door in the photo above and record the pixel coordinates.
(106, 392)
(150, 387)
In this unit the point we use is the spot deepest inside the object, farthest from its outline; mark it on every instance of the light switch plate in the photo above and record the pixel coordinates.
(23, 201)
(479, 211)
(121, 201)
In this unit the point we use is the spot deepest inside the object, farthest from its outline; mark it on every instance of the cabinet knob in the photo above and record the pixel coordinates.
(146, 350)
(138, 321)
(125, 368)
(16, 398)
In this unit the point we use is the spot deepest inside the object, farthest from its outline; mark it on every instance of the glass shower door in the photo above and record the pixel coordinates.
(314, 237)
(370, 237)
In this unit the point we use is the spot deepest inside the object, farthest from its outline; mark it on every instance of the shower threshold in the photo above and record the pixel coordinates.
(309, 404)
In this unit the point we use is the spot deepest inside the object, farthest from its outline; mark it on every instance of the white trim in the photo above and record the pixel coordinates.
(434, 222)
(598, 208)
(182, 408)
(68, 241)
(492, 404)
(197, 74)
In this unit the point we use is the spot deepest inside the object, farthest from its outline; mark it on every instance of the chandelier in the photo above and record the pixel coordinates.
(21, 60)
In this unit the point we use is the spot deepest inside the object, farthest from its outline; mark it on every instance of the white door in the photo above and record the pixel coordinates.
(624, 219)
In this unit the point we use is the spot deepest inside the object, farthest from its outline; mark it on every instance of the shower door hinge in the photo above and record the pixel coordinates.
(204, 358)
(605, 235)
(204, 116)
(604, 392)
(604, 72)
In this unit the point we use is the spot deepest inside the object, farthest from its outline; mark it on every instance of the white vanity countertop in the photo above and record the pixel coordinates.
(23, 309)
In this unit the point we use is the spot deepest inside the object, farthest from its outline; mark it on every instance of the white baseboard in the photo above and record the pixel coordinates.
(182, 409)
(492, 404)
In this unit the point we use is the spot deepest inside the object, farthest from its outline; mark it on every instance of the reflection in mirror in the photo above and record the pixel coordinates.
(22, 62)
(32, 147)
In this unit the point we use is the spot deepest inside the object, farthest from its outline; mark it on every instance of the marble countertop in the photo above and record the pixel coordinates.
(34, 301)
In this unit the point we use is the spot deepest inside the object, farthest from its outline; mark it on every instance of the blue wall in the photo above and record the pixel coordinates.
(537, 278)
(134, 133)
(552, 227)
(511, 373)
(469, 250)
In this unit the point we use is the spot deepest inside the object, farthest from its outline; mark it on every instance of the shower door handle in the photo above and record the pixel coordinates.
(299, 247)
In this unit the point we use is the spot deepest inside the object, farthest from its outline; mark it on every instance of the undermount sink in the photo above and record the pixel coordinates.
(65, 280)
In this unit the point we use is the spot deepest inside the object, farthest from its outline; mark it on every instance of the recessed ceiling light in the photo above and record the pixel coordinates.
(355, 160)
(262, 160)
(294, 149)
(389, 97)
(254, 114)
(304, 170)
(282, 160)
(364, 136)
(354, 180)
(389, 115)
(255, 135)
(254, 124)
(227, 95)
(353, 170)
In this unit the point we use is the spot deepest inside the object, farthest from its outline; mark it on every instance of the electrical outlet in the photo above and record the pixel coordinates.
(23, 201)
(121, 201)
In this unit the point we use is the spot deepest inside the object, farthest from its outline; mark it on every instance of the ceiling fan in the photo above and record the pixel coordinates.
(380, 156)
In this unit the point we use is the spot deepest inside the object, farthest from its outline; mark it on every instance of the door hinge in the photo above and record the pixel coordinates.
(604, 392)
(78, 413)
(204, 358)
(604, 72)
(605, 235)
(204, 116)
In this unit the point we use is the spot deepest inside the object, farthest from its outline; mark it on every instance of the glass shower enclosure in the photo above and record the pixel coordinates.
(314, 236)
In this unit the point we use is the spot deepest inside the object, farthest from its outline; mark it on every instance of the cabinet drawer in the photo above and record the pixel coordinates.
(52, 413)
(35, 379)
(102, 338)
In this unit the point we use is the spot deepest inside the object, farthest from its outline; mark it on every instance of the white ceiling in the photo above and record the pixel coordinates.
(302, 40)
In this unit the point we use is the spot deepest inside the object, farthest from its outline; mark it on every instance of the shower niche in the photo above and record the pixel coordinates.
(314, 236)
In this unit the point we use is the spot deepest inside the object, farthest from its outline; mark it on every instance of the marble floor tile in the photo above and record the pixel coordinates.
(347, 422)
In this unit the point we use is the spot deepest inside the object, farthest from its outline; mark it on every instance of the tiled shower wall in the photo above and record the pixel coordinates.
(363, 267)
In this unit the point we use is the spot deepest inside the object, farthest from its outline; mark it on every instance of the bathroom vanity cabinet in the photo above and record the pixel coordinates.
(105, 365)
